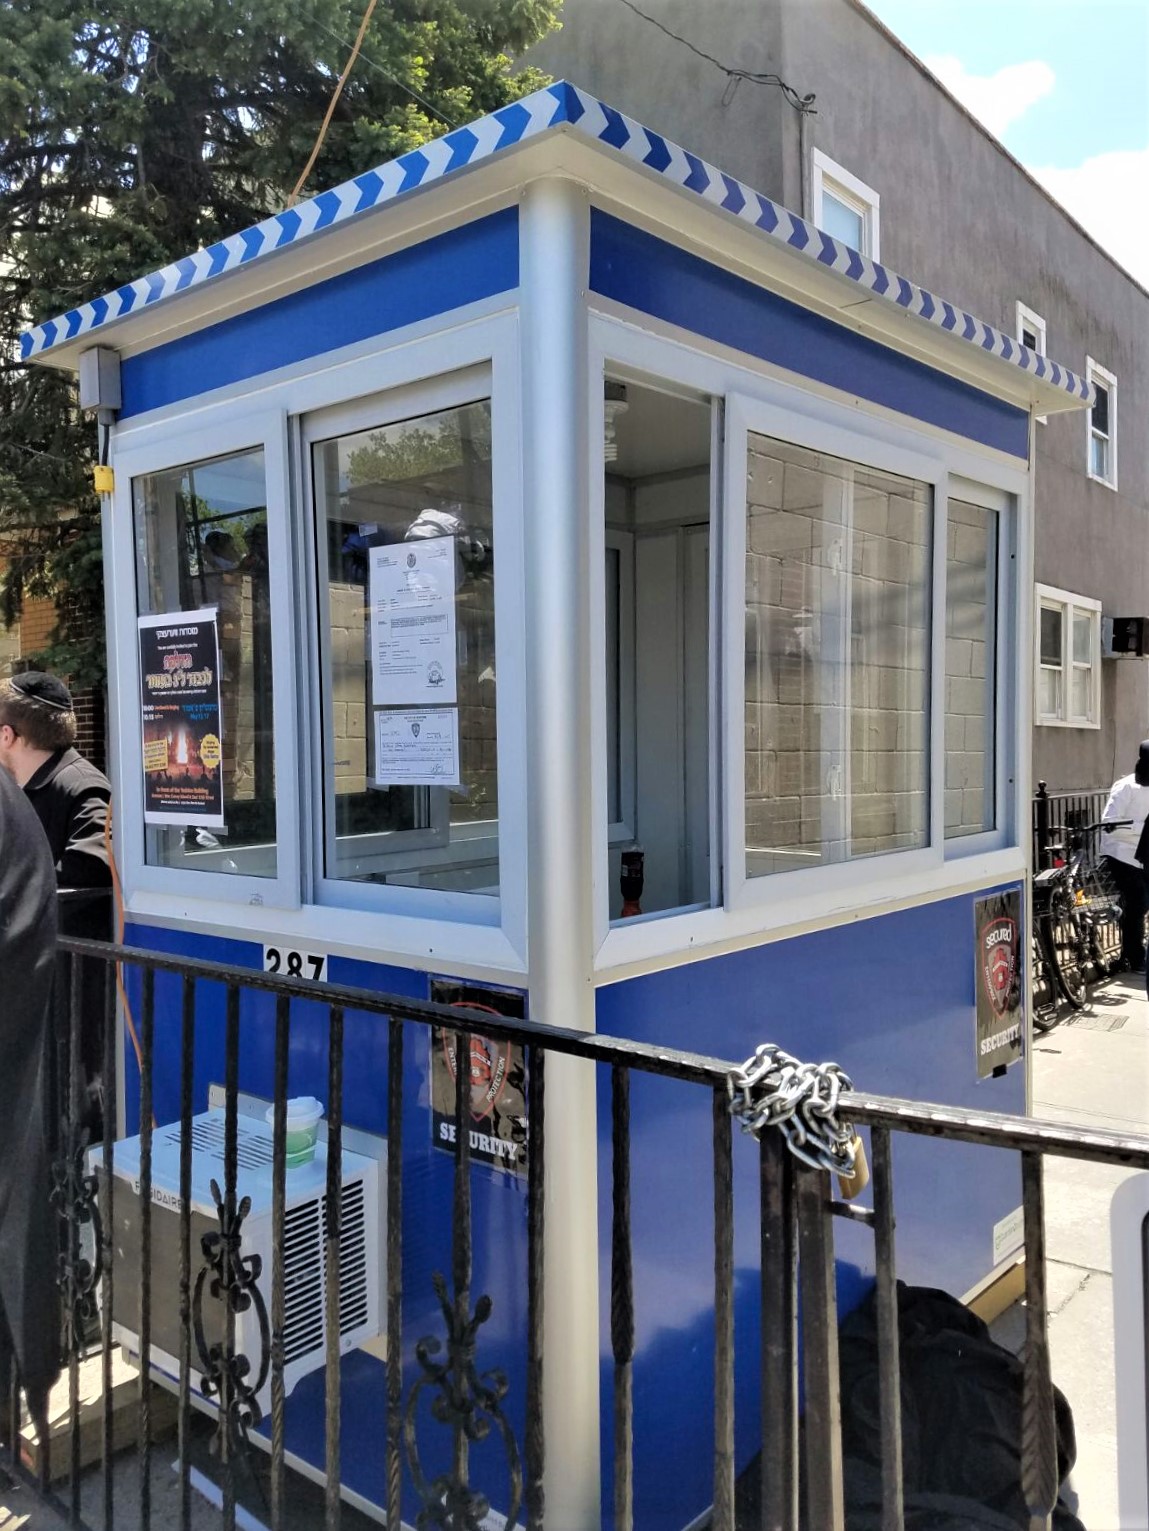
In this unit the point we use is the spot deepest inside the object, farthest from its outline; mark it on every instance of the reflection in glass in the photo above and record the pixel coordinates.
(201, 541)
(971, 649)
(837, 659)
(391, 503)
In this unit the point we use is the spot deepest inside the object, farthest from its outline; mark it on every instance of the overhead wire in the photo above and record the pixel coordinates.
(800, 103)
(371, 63)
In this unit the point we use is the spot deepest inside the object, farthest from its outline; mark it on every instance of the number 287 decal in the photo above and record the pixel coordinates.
(293, 963)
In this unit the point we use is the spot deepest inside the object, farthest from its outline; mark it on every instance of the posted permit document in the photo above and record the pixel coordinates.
(417, 749)
(413, 623)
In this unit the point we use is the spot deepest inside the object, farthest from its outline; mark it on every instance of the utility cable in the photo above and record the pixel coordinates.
(800, 103)
(371, 63)
(331, 105)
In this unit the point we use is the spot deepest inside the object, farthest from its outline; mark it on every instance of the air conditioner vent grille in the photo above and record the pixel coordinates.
(253, 1145)
(304, 1267)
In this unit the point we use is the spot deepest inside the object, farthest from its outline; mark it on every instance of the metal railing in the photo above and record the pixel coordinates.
(1062, 819)
(1056, 812)
(798, 1212)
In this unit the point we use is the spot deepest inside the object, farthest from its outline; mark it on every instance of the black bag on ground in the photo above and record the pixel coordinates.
(961, 1419)
(961, 1424)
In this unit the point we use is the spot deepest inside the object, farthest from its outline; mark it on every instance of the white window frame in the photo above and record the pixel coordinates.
(1095, 372)
(746, 416)
(829, 176)
(470, 932)
(266, 431)
(842, 891)
(1029, 319)
(436, 844)
(1048, 596)
(975, 492)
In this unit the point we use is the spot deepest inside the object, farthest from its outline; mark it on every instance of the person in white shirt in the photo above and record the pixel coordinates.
(1129, 799)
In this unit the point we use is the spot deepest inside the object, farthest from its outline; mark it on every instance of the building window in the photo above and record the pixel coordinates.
(845, 207)
(838, 574)
(1030, 332)
(1068, 659)
(1101, 463)
(971, 664)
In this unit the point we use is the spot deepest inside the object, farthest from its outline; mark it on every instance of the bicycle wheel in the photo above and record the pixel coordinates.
(1044, 987)
(1064, 950)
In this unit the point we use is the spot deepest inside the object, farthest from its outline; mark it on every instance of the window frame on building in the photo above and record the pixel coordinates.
(1070, 605)
(1029, 321)
(828, 177)
(1096, 373)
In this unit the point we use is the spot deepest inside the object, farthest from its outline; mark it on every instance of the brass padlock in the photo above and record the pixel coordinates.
(853, 1185)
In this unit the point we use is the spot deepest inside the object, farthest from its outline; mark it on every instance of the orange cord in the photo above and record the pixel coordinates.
(336, 93)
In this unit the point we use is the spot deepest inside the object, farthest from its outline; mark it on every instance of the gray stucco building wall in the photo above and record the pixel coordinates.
(959, 215)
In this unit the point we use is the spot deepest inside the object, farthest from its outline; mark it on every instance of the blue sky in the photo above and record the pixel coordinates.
(1065, 85)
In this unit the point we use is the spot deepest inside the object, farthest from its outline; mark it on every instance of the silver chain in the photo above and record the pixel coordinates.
(773, 1089)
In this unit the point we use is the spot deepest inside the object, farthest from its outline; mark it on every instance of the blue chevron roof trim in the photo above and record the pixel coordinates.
(559, 106)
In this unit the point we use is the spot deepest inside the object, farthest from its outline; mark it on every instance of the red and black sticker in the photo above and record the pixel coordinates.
(999, 1035)
(496, 1074)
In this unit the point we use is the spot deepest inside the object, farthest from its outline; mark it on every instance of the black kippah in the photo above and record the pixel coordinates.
(39, 686)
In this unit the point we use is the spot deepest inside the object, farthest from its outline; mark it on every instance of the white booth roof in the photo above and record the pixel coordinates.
(144, 311)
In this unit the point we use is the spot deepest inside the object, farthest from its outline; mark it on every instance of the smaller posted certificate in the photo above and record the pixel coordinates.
(417, 749)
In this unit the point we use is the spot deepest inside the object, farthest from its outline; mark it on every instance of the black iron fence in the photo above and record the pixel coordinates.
(1059, 814)
(134, 1255)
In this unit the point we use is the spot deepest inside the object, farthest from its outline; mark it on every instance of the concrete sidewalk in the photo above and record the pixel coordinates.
(1091, 1070)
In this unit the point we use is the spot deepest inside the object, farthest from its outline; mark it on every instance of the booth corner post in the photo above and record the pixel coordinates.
(554, 240)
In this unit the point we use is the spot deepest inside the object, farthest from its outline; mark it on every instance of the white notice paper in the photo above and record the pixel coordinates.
(413, 623)
(417, 749)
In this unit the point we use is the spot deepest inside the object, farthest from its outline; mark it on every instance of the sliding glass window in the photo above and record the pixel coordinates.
(406, 560)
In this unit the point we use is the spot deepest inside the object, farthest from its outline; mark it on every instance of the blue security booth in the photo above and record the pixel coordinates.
(545, 573)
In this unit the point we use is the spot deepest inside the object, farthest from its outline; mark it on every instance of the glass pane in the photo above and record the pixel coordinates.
(837, 659)
(201, 544)
(1099, 465)
(657, 507)
(1082, 637)
(1051, 635)
(1082, 694)
(613, 671)
(1100, 408)
(407, 652)
(1049, 693)
(841, 221)
(1029, 339)
(971, 663)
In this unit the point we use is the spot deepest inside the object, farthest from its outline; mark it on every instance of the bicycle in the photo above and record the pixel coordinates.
(1072, 901)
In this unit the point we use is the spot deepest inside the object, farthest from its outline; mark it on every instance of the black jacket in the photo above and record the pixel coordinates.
(71, 800)
(29, 1315)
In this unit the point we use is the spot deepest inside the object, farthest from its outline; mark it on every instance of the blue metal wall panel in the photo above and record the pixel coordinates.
(499, 1201)
(467, 264)
(654, 277)
(892, 1000)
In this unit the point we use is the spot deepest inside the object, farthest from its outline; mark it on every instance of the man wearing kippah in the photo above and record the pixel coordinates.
(70, 796)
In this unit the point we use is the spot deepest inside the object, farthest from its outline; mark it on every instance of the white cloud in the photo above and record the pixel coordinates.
(1105, 195)
(997, 100)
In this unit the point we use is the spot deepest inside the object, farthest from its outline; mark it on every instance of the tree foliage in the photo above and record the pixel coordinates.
(134, 131)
